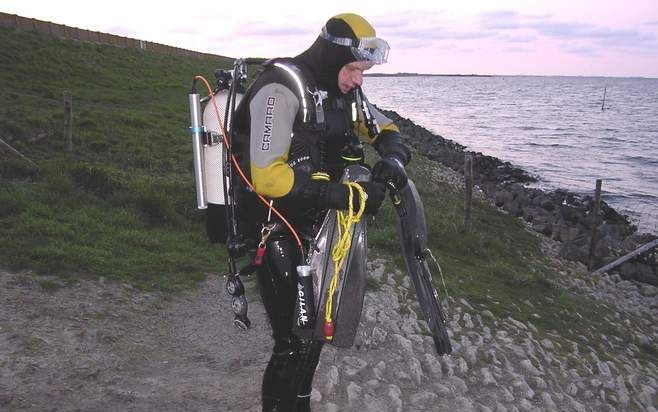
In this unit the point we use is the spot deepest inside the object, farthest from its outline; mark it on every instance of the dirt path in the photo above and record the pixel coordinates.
(103, 346)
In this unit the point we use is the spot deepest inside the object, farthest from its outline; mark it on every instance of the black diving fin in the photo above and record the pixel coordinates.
(412, 229)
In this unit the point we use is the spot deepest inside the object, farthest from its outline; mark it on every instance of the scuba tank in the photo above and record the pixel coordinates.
(211, 149)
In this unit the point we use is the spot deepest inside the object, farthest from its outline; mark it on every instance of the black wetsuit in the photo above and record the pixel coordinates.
(282, 145)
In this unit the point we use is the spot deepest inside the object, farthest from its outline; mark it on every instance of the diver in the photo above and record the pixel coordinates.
(295, 133)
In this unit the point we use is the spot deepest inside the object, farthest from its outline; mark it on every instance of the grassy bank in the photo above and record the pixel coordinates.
(122, 205)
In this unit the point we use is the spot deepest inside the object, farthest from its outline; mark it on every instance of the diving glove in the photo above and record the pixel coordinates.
(337, 196)
(390, 170)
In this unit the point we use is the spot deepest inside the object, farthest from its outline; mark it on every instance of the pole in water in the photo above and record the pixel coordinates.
(603, 104)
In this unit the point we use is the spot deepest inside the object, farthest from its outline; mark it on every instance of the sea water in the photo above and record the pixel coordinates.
(553, 127)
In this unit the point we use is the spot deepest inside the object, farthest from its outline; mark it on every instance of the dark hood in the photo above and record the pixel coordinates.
(324, 60)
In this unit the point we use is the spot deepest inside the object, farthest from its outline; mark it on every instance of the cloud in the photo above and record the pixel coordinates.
(435, 32)
(424, 25)
(500, 20)
(185, 30)
(511, 25)
(523, 50)
(509, 38)
(262, 29)
(408, 44)
(581, 50)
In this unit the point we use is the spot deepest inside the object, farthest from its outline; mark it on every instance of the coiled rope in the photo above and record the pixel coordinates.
(345, 222)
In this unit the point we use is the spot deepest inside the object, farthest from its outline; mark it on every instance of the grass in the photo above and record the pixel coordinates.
(122, 205)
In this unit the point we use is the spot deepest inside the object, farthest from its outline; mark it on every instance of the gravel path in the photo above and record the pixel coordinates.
(104, 346)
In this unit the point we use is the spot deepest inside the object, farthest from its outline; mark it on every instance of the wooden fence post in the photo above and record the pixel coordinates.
(68, 121)
(595, 224)
(468, 190)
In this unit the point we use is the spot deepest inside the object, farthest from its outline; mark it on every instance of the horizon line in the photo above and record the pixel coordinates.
(412, 74)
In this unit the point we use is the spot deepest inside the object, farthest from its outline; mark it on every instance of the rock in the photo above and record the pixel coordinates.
(459, 384)
(577, 406)
(433, 366)
(547, 344)
(530, 368)
(538, 383)
(442, 390)
(332, 379)
(471, 355)
(642, 340)
(500, 407)
(571, 251)
(353, 365)
(487, 314)
(501, 197)
(647, 396)
(525, 405)
(377, 272)
(622, 392)
(462, 366)
(507, 395)
(448, 365)
(403, 343)
(316, 396)
(331, 407)
(572, 389)
(648, 290)
(353, 393)
(516, 323)
(464, 405)
(415, 370)
(379, 370)
(604, 369)
(376, 404)
(484, 408)
(423, 400)
(487, 377)
(468, 323)
(378, 335)
(549, 404)
(522, 387)
(373, 384)
(394, 393)
(465, 303)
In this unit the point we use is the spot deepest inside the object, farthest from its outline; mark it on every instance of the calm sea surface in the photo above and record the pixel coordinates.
(552, 127)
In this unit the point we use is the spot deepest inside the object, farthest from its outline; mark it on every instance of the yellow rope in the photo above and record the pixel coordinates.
(345, 221)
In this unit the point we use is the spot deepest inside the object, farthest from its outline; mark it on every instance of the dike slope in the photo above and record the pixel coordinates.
(561, 215)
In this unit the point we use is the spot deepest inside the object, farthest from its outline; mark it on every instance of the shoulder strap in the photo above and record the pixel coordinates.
(310, 97)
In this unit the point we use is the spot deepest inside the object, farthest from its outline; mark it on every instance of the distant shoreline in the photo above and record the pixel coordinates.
(424, 75)
(498, 75)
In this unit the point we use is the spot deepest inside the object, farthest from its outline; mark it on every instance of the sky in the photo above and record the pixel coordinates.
(510, 37)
